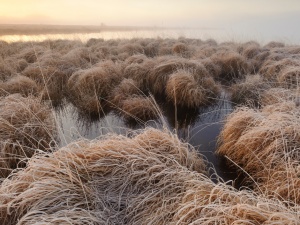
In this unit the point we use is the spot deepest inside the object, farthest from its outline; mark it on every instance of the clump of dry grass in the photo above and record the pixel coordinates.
(150, 178)
(26, 126)
(5, 71)
(265, 143)
(90, 88)
(165, 51)
(80, 57)
(182, 50)
(21, 65)
(139, 58)
(151, 50)
(213, 69)
(131, 49)
(30, 54)
(184, 89)
(274, 44)
(51, 80)
(233, 64)
(289, 77)
(279, 95)
(159, 76)
(139, 108)
(273, 70)
(139, 71)
(124, 90)
(250, 90)
(19, 84)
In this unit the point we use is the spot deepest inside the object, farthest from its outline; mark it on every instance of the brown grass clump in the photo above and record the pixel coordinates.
(26, 127)
(131, 49)
(272, 69)
(90, 88)
(139, 108)
(182, 50)
(151, 50)
(279, 95)
(249, 90)
(124, 90)
(233, 64)
(123, 56)
(31, 54)
(289, 77)
(184, 89)
(94, 41)
(150, 178)
(274, 44)
(165, 51)
(210, 42)
(213, 69)
(265, 143)
(50, 79)
(101, 52)
(80, 58)
(5, 71)
(19, 84)
(160, 74)
(139, 72)
(139, 58)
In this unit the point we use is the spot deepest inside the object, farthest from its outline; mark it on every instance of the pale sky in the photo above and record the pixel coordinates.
(275, 16)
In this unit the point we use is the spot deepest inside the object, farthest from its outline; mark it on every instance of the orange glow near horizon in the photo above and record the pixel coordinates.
(139, 12)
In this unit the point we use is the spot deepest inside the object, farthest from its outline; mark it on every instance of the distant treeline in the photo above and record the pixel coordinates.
(33, 29)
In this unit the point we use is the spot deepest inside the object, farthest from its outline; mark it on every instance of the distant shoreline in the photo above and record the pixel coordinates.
(40, 29)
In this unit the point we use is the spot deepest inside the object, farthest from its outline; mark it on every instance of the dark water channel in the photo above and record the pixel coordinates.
(200, 127)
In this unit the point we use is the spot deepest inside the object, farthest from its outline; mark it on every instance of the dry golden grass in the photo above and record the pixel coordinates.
(90, 88)
(289, 77)
(279, 95)
(139, 108)
(140, 72)
(5, 71)
(274, 44)
(249, 90)
(126, 89)
(213, 69)
(26, 127)
(233, 64)
(31, 53)
(185, 70)
(151, 49)
(182, 50)
(51, 80)
(19, 84)
(273, 69)
(184, 89)
(265, 143)
(159, 76)
(131, 49)
(150, 178)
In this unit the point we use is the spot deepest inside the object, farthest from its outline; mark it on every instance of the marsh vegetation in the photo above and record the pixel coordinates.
(166, 92)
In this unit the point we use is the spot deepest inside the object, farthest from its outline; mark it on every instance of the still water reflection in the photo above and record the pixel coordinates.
(199, 127)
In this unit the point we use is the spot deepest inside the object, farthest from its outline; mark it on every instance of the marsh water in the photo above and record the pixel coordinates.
(199, 127)
(220, 35)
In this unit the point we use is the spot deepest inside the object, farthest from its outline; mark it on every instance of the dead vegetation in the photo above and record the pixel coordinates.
(19, 85)
(139, 108)
(149, 62)
(187, 89)
(265, 143)
(156, 179)
(90, 88)
(250, 90)
(151, 177)
(26, 127)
